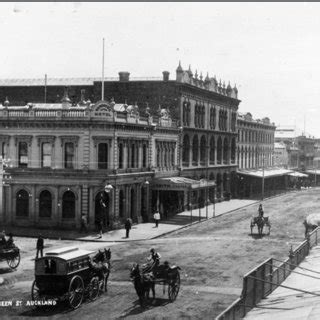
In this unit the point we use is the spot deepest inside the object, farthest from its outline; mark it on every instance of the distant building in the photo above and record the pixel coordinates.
(280, 155)
(255, 142)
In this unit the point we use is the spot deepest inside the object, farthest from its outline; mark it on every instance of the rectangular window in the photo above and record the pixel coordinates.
(46, 155)
(4, 150)
(68, 155)
(23, 154)
(103, 156)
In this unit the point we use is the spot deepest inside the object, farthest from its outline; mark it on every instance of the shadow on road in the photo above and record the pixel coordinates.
(6, 270)
(137, 309)
(257, 236)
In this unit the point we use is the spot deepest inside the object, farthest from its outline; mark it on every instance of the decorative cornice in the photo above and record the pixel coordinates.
(73, 139)
(100, 139)
(42, 139)
(23, 138)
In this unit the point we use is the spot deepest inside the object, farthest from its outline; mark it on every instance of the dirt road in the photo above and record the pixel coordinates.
(213, 256)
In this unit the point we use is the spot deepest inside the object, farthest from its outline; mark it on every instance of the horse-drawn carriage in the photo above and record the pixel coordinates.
(70, 274)
(260, 222)
(145, 280)
(11, 254)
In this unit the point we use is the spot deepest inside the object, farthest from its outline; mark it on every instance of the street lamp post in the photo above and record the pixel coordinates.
(108, 189)
(262, 191)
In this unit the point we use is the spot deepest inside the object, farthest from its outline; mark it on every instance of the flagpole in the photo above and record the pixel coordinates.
(102, 84)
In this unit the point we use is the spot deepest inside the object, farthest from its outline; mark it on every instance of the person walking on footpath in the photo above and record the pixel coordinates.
(156, 218)
(83, 223)
(40, 244)
(127, 226)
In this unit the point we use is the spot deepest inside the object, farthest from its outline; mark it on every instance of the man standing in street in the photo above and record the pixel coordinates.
(127, 226)
(40, 245)
(156, 218)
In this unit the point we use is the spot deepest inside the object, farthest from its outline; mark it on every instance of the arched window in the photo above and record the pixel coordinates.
(103, 156)
(195, 149)
(203, 150)
(233, 150)
(212, 150)
(22, 203)
(219, 151)
(186, 150)
(121, 204)
(68, 205)
(45, 204)
(189, 114)
(225, 150)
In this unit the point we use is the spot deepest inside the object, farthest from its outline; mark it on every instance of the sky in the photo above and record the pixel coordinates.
(271, 51)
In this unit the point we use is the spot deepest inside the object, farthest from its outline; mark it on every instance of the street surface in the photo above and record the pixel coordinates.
(213, 256)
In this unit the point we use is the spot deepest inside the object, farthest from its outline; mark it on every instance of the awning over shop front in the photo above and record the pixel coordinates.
(267, 173)
(181, 183)
(298, 174)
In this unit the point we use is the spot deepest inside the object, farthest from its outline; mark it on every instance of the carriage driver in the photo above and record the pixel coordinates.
(260, 211)
(155, 257)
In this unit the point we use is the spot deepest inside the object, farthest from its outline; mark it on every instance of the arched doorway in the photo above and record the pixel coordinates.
(22, 203)
(68, 205)
(102, 209)
(45, 204)
(133, 205)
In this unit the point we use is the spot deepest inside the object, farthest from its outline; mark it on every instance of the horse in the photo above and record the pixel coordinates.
(311, 222)
(142, 282)
(100, 266)
(260, 222)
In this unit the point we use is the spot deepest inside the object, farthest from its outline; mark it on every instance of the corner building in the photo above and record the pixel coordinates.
(92, 159)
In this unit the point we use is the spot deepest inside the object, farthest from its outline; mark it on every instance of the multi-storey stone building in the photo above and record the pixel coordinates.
(206, 114)
(93, 159)
(255, 142)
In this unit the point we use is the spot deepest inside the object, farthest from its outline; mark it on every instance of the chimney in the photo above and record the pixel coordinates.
(165, 75)
(124, 76)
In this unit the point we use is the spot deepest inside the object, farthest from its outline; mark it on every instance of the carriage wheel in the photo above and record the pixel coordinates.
(76, 292)
(13, 261)
(174, 287)
(35, 292)
(94, 288)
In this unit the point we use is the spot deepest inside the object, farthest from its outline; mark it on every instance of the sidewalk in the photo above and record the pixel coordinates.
(288, 304)
(142, 231)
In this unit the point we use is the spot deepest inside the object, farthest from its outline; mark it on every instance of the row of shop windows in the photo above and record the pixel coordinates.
(223, 149)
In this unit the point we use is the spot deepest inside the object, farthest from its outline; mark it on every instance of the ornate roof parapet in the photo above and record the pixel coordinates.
(211, 84)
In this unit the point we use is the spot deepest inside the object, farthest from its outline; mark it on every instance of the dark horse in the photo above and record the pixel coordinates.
(100, 266)
(260, 222)
(143, 282)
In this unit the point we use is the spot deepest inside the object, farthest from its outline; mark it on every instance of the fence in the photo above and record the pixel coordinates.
(262, 280)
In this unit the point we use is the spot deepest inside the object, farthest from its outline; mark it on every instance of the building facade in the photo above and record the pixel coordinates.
(206, 115)
(92, 159)
(255, 142)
